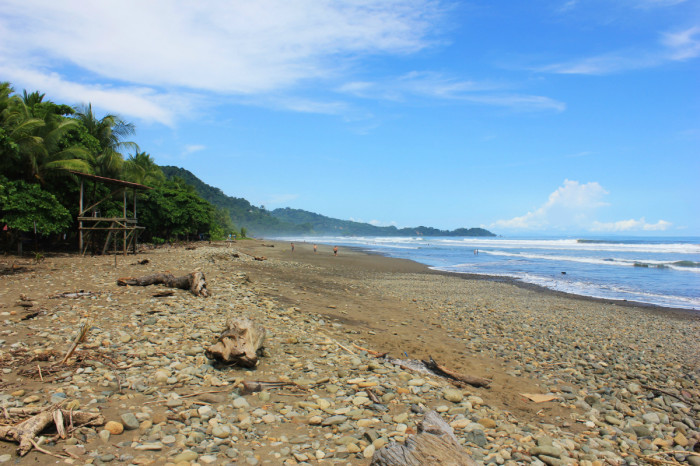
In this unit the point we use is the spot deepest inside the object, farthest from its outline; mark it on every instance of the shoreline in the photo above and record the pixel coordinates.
(678, 311)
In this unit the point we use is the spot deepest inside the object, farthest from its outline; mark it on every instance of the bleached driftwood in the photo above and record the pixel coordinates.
(26, 431)
(240, 344)
(435, 443)
(194, 282)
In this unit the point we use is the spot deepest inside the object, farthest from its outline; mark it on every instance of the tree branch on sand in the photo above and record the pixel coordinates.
(194, 282)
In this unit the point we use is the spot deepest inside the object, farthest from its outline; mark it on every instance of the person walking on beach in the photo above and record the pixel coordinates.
(315, 248)
(335, 250)
(292, 247)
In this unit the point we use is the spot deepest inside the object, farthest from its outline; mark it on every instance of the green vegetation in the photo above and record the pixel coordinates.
(323, 225)
(41, 142)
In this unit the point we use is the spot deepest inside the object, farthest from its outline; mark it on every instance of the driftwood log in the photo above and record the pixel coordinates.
(240, 344)
(435, 443)
(25, 432)
(456, 376)
(194, 282)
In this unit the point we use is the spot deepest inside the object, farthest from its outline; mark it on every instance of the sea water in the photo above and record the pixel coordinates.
(660, 271)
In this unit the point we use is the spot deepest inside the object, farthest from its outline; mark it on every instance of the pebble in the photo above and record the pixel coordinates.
(187, 455)
(114, 428)
(599, 379)
(453, 395)
(129, 421)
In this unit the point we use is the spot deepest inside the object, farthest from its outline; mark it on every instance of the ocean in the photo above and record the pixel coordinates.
(659, 271)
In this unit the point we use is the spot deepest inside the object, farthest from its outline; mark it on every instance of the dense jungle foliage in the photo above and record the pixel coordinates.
(42, 143)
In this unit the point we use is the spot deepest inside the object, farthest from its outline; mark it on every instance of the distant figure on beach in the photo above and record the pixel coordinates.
(335, 250)
(315, 248)
(292, 247)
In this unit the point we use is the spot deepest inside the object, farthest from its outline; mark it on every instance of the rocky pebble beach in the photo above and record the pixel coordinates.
(621, 381)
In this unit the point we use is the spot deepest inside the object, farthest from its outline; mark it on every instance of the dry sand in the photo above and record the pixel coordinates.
(597, 358)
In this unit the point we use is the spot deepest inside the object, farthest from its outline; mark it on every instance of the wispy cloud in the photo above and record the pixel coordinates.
(572, 207)
(143, 102)
(673, 46)
(232, 48)
(646, 4)
(192, 148)
(439, 86)
(631, 225)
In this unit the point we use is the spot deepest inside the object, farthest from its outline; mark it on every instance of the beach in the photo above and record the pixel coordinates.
(620, 379)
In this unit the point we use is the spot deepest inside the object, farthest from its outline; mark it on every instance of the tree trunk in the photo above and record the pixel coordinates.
(240, 344)
(435, 443)
(194, 282)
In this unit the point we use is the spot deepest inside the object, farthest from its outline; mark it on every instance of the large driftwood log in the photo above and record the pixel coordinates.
(435, 443)
(240, 344)
(26, 431)
(194, 282)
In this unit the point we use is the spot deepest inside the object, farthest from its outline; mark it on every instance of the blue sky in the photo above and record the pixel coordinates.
(565, 117)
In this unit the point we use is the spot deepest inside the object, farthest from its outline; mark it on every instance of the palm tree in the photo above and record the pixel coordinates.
(36, 133)
(109, 131)
(141, 168)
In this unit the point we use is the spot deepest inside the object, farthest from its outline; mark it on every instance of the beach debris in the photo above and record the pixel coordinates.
(376, 354)
(431, 367)
(25, 432)
(141, 262)
(25, 301)
(194, 282)
(240, 344)
(163, 294)
(435, 443)
(254, 386)
(539, 397)
(456, 376)
(75, 294)
(82, 334)
(31, 315)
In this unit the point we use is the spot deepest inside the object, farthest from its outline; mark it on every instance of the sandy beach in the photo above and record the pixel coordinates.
(622, 380)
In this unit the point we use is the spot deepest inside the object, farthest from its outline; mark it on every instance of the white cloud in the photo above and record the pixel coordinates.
(572, 207)
(234, 48)
(438, 86)
(142, 102)
(675, 46)
(568, 207)
(631, 225)
(192, 148)
(683, 45)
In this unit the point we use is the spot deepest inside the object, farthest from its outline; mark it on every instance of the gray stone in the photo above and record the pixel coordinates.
(334, 420)
(130, 422)
(546, 450)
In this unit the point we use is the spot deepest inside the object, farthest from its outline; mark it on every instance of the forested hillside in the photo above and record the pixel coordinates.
(254, 219)
(295, 221)
(332, 226)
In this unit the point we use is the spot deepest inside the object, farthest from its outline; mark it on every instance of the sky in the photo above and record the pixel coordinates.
(563, 117)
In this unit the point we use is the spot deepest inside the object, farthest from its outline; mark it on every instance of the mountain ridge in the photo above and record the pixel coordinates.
(259, 221)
